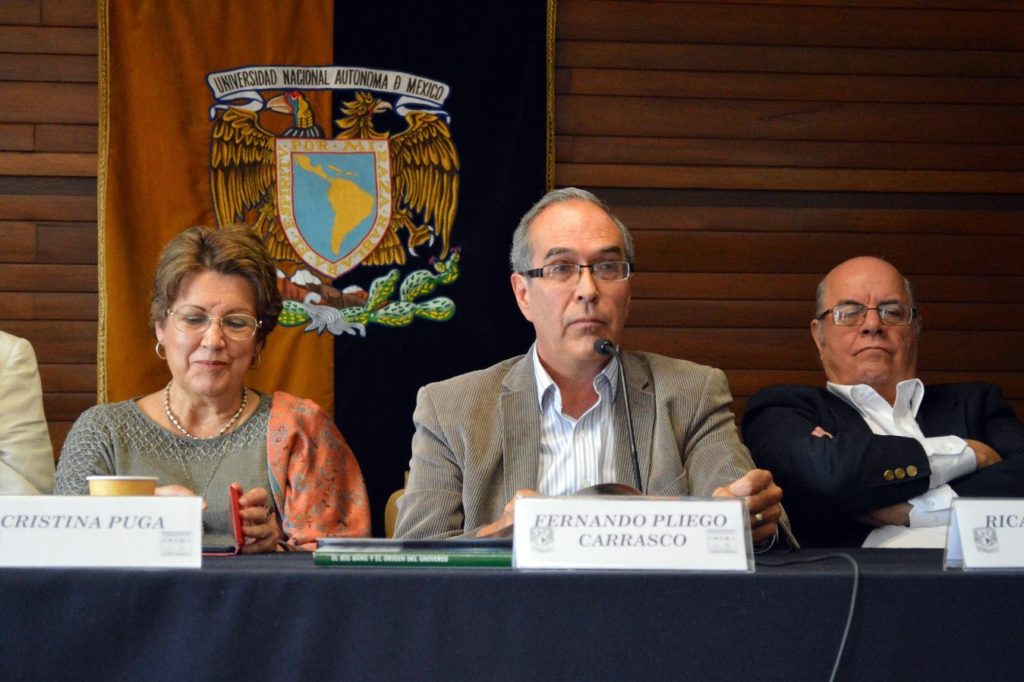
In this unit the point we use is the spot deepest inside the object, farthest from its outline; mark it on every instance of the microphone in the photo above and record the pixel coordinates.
(606, 347)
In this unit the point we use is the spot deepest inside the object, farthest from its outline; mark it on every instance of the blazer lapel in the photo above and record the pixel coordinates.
(847, 418)
(941, 418)
(641, 404)
(520, 427)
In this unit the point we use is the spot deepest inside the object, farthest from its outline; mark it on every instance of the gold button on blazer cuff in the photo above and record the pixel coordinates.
(911, 471)
(888, 475)
(900, 473)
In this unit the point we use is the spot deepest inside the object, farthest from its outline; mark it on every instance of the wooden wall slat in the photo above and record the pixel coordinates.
(821, 220)
(45, 278)
(583, 149)
(67, 406)
(755, 24)
(15, 305)
(779, 252)
(782, 286)
(56, 185)
(794, 87)
(19, 242)
(66, 138)
(14, 136)
(48, 164)
(788, 179)
(20, 12)
(49, 102)
(64, 13)
(48, 207)
(58, 434)
(67, 243)
(68, 378)
(56, 68)
(991, 5)
(792, 120)
(49, 40)
(788, 59)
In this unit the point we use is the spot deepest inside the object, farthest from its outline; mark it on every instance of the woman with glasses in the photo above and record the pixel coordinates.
(214, 302)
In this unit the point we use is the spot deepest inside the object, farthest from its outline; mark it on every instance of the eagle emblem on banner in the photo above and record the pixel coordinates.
(383, 191)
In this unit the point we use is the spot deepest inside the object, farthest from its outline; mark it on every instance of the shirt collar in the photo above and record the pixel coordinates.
(909, 394)
(605, 379)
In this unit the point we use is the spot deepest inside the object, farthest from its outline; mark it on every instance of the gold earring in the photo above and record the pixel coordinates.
(158, 348)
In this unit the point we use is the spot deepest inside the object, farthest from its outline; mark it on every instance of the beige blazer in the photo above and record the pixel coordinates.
(26, 454)
(477, 440)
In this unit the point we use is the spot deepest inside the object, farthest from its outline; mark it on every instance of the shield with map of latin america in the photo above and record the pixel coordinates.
(333, 199)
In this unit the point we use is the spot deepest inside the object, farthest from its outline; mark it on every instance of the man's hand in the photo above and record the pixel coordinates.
(896, 515)
(764, 499)
(507, 515)
(983, 453)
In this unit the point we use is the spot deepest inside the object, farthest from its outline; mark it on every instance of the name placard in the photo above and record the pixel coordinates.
(44, 530)
(985, 533)
(626, 532)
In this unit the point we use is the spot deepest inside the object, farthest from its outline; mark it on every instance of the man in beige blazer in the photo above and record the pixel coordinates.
(487, 437)
(26, 454)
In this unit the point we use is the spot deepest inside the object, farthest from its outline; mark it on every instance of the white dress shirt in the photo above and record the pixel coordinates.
(575, 453)
(948, 456)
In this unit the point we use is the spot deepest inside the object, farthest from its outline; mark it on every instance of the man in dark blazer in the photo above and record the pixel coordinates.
(485, 438)
(875, 457)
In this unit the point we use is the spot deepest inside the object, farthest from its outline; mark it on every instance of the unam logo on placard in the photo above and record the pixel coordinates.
(542, 539)
(986, 540)
(722, 541)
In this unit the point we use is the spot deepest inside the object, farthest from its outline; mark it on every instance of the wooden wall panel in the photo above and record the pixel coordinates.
(779, 58)
(750, 144)
(786, 119)
(48, 134)
(759, 23)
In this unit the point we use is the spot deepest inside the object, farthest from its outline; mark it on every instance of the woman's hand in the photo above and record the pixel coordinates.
(259, 522)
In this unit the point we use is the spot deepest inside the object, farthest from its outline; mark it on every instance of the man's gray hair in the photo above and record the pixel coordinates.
(521, 255)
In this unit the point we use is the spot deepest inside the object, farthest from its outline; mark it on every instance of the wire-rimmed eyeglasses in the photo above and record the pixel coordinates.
(853, 314)
(236, 326)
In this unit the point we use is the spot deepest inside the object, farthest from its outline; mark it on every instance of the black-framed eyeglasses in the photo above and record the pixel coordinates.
(604, 271)
(236, 326)
(853, 314)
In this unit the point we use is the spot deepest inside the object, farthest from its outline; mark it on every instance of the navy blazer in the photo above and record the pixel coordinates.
(829, 482)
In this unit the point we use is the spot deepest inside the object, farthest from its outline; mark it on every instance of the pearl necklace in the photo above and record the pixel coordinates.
(174, 420)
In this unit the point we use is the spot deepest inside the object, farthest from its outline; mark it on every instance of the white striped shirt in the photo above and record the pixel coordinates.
(575, 453)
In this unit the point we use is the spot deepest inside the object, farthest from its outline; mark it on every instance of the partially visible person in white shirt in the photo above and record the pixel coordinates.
(876, 458)
(26, 454)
